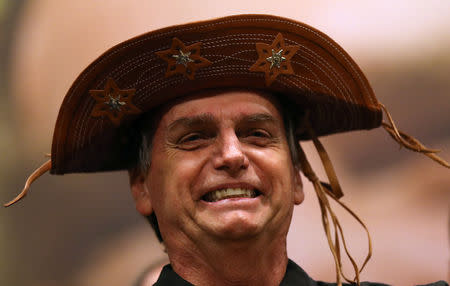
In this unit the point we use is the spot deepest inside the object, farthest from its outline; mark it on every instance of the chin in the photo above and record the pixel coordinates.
(237, 228)
(237, 234)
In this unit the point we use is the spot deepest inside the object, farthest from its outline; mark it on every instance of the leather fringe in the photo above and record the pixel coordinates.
(334, 191)
(36, 174)
(410, 142)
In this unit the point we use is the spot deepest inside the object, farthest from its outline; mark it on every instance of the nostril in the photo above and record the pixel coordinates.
(235, 163)
(230, 155)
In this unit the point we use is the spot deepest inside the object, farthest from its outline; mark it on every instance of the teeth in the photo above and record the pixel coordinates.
(229, 193)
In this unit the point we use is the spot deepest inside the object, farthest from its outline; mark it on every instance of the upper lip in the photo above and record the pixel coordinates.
(235, 185)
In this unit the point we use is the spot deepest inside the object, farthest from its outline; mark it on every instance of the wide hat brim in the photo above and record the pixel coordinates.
(264, 52)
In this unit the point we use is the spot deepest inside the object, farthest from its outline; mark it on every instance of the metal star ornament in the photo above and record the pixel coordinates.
(274, 59)
(182, 59)
(113, 102)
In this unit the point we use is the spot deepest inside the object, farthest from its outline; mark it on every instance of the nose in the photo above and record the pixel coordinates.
(230, 156)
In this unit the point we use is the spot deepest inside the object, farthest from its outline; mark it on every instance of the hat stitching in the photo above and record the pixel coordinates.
(149, 61)
(147, 64)
(232, 44)
(306, 67)
(325, 63)
(333, 81)
(232, 57)
(139, 59)
(123, 105)
(317, 81)
(311, 80)
(224, 57)
(296, 82)
(149, 74)
(221, 23)
(142, 57)
(242, 36)
(87, 108)
(332, 70)
(81, 126)
(84, 122)
(243, 72)
(287, 39)
(208, 55)
(323, 38)
(314, 55)
(339, 83)
(132, 64)
(95, 125)
(205, 45)
(325, 72)
(163, 82)
(233, 21)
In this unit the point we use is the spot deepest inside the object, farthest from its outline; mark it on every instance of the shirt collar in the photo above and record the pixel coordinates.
(294, 275)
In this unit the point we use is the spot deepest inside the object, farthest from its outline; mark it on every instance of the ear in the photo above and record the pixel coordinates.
(299, 195)
(141, 194)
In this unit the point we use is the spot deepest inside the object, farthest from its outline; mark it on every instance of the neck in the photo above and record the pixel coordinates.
(245, 262)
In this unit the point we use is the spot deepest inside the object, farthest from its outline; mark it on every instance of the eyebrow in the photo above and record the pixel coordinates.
(207, 118)
(258, 117)
(191, 121)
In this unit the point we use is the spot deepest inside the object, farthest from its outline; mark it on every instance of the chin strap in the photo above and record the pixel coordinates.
(409, 142)
(36, 174)
(334, 191)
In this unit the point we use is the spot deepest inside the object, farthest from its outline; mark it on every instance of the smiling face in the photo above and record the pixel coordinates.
(220, 168)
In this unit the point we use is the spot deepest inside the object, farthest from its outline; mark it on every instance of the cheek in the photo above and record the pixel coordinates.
(172, 176)
(274, 168)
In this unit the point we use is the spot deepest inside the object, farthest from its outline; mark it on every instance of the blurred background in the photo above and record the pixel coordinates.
(83, 229)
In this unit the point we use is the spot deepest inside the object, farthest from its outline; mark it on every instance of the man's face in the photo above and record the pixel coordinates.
(220, 168)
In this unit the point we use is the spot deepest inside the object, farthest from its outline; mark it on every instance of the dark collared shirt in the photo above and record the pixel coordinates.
(294, 276)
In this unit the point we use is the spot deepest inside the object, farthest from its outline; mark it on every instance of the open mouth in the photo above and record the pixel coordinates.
(230, 193)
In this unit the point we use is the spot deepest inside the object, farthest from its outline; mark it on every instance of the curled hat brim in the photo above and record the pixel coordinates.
(265, 52)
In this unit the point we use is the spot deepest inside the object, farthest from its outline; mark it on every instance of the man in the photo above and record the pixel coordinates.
(223, 185)
(207, 118)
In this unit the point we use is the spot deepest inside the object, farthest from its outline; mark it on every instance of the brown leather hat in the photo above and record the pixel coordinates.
(277, 55)
(250, 51)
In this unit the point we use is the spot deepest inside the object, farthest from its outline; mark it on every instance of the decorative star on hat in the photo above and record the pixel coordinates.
(181, 59)
(274, 59)
(113, 102)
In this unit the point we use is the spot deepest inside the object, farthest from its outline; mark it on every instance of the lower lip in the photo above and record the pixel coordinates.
(233, 203)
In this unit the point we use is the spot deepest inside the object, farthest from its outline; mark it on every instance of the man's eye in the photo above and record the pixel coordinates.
(258, 137)
(259, 133)
(192, 141)
(191, 138)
